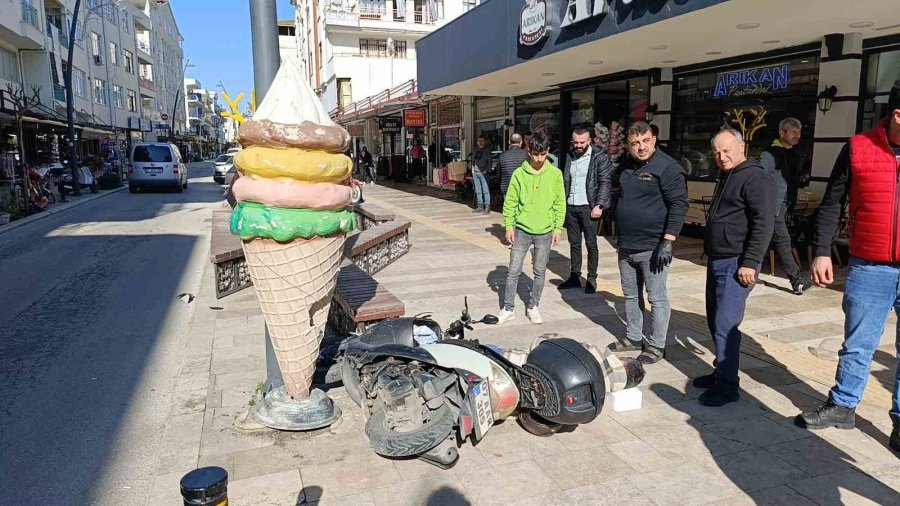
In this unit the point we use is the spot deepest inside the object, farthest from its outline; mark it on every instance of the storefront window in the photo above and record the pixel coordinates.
(540, 113)
(882, 70)
(448, 145)
(750, 99)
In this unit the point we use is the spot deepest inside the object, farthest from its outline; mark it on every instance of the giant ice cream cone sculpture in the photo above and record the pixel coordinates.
(292, 216)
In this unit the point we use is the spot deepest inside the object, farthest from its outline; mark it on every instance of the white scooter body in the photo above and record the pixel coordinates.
(503, 391)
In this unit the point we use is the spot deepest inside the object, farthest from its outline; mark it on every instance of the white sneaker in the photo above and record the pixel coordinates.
(534, 314)
(505, 316)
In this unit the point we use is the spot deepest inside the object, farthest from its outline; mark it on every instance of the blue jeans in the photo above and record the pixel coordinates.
(870, 291)
(541, 255)
(726, 300)
(482, 192)
(631, 265)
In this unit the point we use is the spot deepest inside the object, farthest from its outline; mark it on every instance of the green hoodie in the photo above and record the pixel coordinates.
(536, 200)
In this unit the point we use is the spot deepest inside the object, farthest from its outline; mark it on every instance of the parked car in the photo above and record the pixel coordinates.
(156, 164)
(223, 164)
(232, 151)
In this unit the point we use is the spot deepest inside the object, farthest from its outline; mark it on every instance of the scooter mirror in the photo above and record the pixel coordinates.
(490, 319)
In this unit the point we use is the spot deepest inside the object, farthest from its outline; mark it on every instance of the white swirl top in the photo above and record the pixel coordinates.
(290, 100)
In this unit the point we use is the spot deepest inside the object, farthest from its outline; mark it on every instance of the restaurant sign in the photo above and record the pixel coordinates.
(533, 24)
(758, 81)
(414, 118)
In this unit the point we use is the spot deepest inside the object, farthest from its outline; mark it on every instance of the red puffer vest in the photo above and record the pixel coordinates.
(874, 197)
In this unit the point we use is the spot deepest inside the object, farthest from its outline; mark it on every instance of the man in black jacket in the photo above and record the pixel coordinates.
(650, 213)
(737, 235)
(587, 184)
(779, 162)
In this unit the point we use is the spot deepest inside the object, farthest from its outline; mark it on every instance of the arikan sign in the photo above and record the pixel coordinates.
(581, 10)
(758, 81)
(414, 118)
(533, 23)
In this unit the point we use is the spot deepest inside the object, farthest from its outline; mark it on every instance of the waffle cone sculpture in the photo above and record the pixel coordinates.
(292, 215)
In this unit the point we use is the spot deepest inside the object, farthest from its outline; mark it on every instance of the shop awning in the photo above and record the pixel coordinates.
(393, 100)
(488, 51)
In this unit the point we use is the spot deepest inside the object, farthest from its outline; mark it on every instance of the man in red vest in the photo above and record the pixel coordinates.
(868, 173)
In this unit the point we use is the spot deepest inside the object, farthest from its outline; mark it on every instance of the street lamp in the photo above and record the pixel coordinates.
(187, 65)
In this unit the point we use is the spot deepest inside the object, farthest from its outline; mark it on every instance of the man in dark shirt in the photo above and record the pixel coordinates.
(481, 164)
(866, 173)
(510, 160)
(737, 236)
(650, 212)
(779, 162)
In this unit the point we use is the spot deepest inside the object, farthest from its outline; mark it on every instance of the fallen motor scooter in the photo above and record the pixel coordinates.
(421, 389)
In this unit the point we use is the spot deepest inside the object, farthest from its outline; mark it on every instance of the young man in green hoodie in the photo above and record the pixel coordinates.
(533, 214)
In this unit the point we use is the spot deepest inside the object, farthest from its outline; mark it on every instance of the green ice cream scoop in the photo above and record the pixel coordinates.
(251, 220)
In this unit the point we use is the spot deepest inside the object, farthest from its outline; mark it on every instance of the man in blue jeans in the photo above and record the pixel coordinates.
(866, 173)
(737, 236)
(481, 164)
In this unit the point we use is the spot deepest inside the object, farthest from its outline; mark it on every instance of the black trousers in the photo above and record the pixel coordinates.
(781, 241)
(580, 224)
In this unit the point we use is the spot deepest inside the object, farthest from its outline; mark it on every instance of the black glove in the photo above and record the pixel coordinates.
(663, 255)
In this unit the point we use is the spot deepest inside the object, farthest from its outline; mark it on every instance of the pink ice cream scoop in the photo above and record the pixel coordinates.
(292, 193)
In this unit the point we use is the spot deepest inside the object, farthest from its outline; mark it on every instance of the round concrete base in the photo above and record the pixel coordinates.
(278, 410)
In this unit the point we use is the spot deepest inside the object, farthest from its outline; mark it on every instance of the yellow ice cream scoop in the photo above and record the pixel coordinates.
(300, 164)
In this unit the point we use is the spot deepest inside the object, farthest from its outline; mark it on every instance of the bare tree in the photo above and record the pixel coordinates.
(24, 103)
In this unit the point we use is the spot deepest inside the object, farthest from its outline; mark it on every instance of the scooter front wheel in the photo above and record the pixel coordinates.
(390, 443)
(537, 425)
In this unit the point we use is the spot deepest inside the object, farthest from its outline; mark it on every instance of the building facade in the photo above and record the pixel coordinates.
(689, 66)
(126, 61)
(205, 135)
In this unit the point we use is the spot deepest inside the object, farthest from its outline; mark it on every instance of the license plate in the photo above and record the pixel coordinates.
(481, 404)
(153, 170)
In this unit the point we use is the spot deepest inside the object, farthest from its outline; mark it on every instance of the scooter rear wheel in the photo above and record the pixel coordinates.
(407, 444)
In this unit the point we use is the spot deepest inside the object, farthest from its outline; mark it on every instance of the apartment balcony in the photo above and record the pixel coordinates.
(375, 17)
(24, 29)
(147, 84)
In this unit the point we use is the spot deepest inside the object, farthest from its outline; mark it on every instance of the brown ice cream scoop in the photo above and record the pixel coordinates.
(306, 135)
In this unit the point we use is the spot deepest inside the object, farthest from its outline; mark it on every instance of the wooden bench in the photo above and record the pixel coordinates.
(360, 301)
(370, 215)
(376, 247)
(226, 254)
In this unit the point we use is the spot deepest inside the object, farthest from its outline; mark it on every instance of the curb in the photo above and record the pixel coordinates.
(50, 212)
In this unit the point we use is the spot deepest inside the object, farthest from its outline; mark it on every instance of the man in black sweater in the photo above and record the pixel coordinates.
(650, 213)
(737, 236)
(587, 183)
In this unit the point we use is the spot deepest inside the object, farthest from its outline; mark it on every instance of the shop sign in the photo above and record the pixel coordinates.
(414, 118)
(581, 10)
(390, 125)
(161, 126)
(533, 24)
(758, 81)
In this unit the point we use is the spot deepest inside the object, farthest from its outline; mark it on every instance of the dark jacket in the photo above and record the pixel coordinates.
(510, 160)
(481, 159)
(652, 203)
(780, 165)
(598, 180)
(741, 215)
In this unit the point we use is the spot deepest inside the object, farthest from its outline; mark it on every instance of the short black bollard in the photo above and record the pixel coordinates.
(207, 486)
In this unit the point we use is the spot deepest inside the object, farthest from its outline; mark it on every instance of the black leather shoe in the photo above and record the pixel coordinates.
(572, 282)
(719, 395)
(590, 288)
(828, 415)
(707, 381)
(801, 284)
(894, 442)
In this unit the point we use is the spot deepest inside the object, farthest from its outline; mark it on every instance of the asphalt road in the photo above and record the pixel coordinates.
(91, 331)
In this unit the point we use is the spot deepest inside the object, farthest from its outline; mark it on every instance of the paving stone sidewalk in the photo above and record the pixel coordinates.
(672, 451)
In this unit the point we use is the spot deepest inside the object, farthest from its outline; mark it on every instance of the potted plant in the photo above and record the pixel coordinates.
(8, 209)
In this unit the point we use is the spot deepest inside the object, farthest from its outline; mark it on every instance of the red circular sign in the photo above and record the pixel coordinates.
(165, 116)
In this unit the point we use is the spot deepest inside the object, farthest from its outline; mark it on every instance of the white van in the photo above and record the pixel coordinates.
(156, 164)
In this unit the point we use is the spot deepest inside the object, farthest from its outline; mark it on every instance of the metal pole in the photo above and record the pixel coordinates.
(266, 56)
(70, 103)
(266, 60)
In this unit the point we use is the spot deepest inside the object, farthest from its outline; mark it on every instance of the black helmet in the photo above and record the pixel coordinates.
(571, 381)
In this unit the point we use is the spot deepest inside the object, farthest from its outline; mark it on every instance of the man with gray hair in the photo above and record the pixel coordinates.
(780, 163)
(737, 236)
(510, 160)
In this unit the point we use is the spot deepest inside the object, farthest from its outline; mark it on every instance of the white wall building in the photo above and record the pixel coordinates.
(358, 50)
(205, 126)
